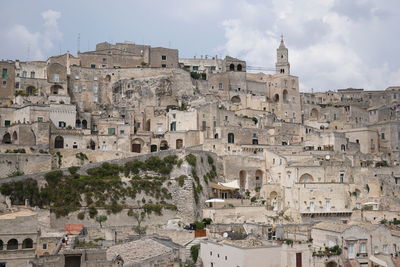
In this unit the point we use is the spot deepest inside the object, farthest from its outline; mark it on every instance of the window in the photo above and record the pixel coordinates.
(95, 78)
(195, 68)
(4, 82)
(24, 74)
(4, 74)
(121, 132)
(341, 178)
(163, 57)
(212, 68)
(44, 246)
(56, 78)
(163, 65)
(385, 248)
(17, 85)
(103, 147)
(382, 136)
(220, 86)
(173, 126)
(32, 74)
(62, 124)
(40, 119)
(363, 247)
(111, 131)
(231, 138)
(174, 116)
(93, 66)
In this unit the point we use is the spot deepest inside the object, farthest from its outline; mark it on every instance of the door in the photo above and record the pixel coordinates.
(298, 260)
(312, 207)
(328, 205)
(136, 148)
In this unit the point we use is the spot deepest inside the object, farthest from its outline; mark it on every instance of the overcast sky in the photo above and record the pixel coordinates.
(332, 43)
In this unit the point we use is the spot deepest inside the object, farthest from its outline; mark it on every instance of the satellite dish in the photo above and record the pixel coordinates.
(327, 157)
(225, 234)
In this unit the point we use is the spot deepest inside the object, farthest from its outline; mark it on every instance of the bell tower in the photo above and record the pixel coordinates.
(282, 59)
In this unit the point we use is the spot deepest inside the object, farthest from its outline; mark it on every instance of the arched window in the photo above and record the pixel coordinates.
(179, 143)
(239, 67)
(59, 142)
(216, 136)
(285, 95)
(6, 138)
(276, 98)
(231, 138)
(343, 147)
(15, 136)
(78, 124)
(84, 124)
(27, 243)
(232, 67)
(306, 178)
(12, 244)
(314, 113)
(254, 141)
(235, 99)
(92, 144)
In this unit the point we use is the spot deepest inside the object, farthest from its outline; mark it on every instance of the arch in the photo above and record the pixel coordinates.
(30, 90)
(179, 143)
(12, 244)
(235, 99)
(314, 113)
(84, 124)
(55, 89)
(239, 67)
(273, 195)
(59, 142)
(357, 193)
(15, 136)
(331, 264)
(1, 244)
(92, 144)
(6, 138)
(276, 98)
(231, 138)
(153, 148)
(242, 179)
(108, 78)
(27, 243)
(259, 178)
(216, 136)
(78, 124)
(285, 96)
(343, 147)
(306, 178)
(164, 145)
(232, 67)
(137, 145)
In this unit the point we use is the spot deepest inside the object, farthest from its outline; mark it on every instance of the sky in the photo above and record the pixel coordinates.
(332, 44)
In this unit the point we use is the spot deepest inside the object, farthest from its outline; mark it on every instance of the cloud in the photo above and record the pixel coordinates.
(332, 44)
(20, 40)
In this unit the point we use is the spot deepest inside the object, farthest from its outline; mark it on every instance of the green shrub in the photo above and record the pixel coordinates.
(92, 212)
(73, 169)
(194, 252)
(81, 215)
(199, 225)
(181, 180)
(191, 159)
(253, 199)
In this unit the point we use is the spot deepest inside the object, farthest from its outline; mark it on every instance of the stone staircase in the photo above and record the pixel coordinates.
(188, 245)
(71, 242)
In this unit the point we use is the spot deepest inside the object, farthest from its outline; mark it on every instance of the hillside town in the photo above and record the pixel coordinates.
(129, 155)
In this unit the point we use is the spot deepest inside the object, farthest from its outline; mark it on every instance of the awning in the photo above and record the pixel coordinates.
(221, 187)
(231, 184)
(378, 261)
(215, 200)
(370, 203)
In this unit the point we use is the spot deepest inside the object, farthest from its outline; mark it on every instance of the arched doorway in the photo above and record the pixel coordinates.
(314, 113)
(306, 178)
(137, 145)
(179, 143)
(331, 264)
(12, 244)
(164, 145)
(14, 136)
(285, 95)
(6, 138)
(27, 243)
(276, 98)
(59, 142)
(92, 144)
(242, 180)
(343, 147)
(84, 124)
(231, 138)
(55, 89)
(239, 67)
(235, 99)
(153, 148)
(232, 67)
(273, 197)
(31, 90)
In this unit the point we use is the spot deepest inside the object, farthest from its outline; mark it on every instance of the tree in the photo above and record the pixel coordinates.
(100, 219)
(139, 229)
(82, 157)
